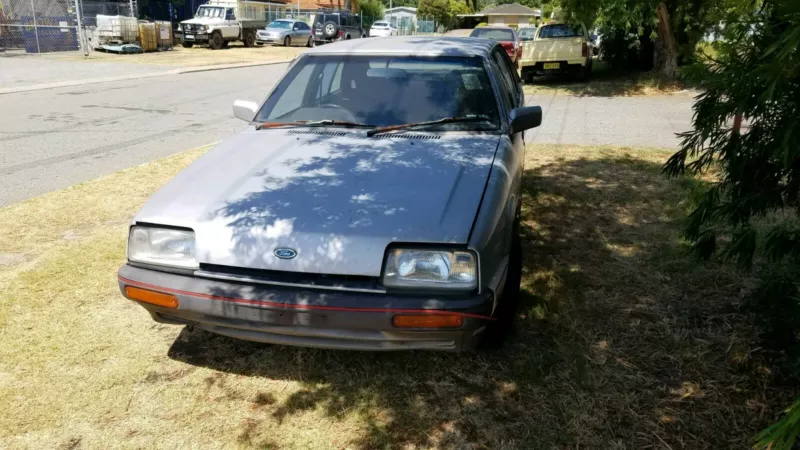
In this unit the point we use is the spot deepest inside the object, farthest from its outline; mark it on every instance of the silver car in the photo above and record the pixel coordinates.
(372, 202)
(286, 32)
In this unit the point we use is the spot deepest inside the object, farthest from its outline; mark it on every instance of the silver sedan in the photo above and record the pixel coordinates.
(286, 32)
(371, 203)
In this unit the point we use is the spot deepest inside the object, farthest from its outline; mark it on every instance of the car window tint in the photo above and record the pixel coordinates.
(559, 31)
(304, 26)
(505, 80)
(229, 14)
(497, 34)
(513, 77)
(386, 90)
(292, 97)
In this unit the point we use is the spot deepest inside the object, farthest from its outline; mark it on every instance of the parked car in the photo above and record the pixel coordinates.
(526, 33)
(285, 31)
(332, 25)
(219, 22)
(557, 49)
(382, 28)
(371, 203)
(506, 36)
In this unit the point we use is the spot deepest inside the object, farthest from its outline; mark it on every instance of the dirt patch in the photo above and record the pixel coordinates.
(191, 57)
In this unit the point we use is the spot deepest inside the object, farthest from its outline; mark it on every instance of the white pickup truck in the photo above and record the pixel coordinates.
(557, 48)
(221, 21)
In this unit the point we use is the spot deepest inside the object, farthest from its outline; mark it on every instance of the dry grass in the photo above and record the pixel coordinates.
(192, 57)
(608, 83)
(623, 342)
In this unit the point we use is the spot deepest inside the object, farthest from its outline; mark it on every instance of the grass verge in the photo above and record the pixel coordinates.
(606, 82)
(623, 342)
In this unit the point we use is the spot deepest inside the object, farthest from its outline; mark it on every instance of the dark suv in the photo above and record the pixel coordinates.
(334, 24)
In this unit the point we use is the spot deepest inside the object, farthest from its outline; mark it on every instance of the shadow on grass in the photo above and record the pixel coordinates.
(605, 82)
(623, 341)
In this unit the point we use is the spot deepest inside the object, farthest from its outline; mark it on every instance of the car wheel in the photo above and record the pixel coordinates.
(287, 41)
(187, 44)
(216, 42)
(310, 42)
(505, 313)
(249, 38)
(330, 30)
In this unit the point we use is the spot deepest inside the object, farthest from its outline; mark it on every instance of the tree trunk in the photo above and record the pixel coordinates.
(665, 57)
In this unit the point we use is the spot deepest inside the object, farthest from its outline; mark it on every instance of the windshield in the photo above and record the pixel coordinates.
(383, 91)
(497, 34)
(283, 24)
(527, 33)
(209, 11)
(559, 31)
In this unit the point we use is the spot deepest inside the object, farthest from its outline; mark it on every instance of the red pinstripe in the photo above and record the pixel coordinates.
(302, 307)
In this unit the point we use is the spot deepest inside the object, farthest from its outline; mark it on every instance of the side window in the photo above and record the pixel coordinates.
(229, 14)
(505, 95)
(516, 83)
(304, 26)
(505, 80)
(329, 82)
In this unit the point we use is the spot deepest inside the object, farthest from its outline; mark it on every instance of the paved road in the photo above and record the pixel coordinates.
(54, 138)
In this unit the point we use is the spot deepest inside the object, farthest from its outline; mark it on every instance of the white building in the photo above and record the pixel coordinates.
(401, 16)
(513, 15)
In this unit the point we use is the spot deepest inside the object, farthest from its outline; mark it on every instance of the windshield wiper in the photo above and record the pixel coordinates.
(311, 123)
(467, 118)
(341, 123)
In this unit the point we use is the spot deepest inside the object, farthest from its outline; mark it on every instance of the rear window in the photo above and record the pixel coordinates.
(380, 24)
(497, 34)
(559, 31)
(322, 18)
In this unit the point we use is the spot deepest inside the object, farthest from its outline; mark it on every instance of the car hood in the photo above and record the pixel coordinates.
(275, 30)
(203, 21)
(335, 197)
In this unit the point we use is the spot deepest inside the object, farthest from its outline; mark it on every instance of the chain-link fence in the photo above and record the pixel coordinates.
(39, 26)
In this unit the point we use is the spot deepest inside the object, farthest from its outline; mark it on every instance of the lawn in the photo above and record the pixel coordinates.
(606, 82)
(623, 341)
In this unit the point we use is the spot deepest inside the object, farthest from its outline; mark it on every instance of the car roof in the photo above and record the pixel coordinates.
(409, 45)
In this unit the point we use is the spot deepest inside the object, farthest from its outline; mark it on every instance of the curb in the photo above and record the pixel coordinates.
(180, 71)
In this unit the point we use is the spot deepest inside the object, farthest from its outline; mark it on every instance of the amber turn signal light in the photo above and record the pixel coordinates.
(152, 297)
(428, 321)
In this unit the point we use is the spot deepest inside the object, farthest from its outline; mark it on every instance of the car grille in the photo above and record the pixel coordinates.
(345, 283)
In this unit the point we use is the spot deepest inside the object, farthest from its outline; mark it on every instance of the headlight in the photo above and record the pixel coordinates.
(202, 28)
(434, 269)
(162, 246)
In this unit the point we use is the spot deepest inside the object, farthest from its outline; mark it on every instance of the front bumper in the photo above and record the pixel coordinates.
(196, 38)
(309, 318)
(264, 39)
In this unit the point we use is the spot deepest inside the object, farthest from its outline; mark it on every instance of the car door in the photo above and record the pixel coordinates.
(301, 32)
(231, 28)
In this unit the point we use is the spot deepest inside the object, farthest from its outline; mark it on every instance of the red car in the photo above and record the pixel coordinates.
(506, 36)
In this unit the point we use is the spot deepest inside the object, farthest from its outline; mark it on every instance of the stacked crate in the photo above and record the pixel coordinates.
(148, 37)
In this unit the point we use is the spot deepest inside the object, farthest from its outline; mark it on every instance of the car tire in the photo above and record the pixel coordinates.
(287, 41)
(187, 44)
(216, 42)
(505, 313)
(249, 38)
(330, 30)
(310, 42)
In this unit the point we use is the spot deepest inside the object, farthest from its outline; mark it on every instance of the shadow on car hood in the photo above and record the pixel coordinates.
(337, 198)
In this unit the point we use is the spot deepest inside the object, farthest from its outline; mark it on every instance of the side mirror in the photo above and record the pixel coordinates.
(245, 110)
(525, 118)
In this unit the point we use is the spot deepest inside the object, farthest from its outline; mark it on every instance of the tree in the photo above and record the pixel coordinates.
(371, 10)
(746, 129)
(439, 9)
(674, 26)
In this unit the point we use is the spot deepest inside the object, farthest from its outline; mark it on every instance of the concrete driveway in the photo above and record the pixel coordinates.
(622, 121)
